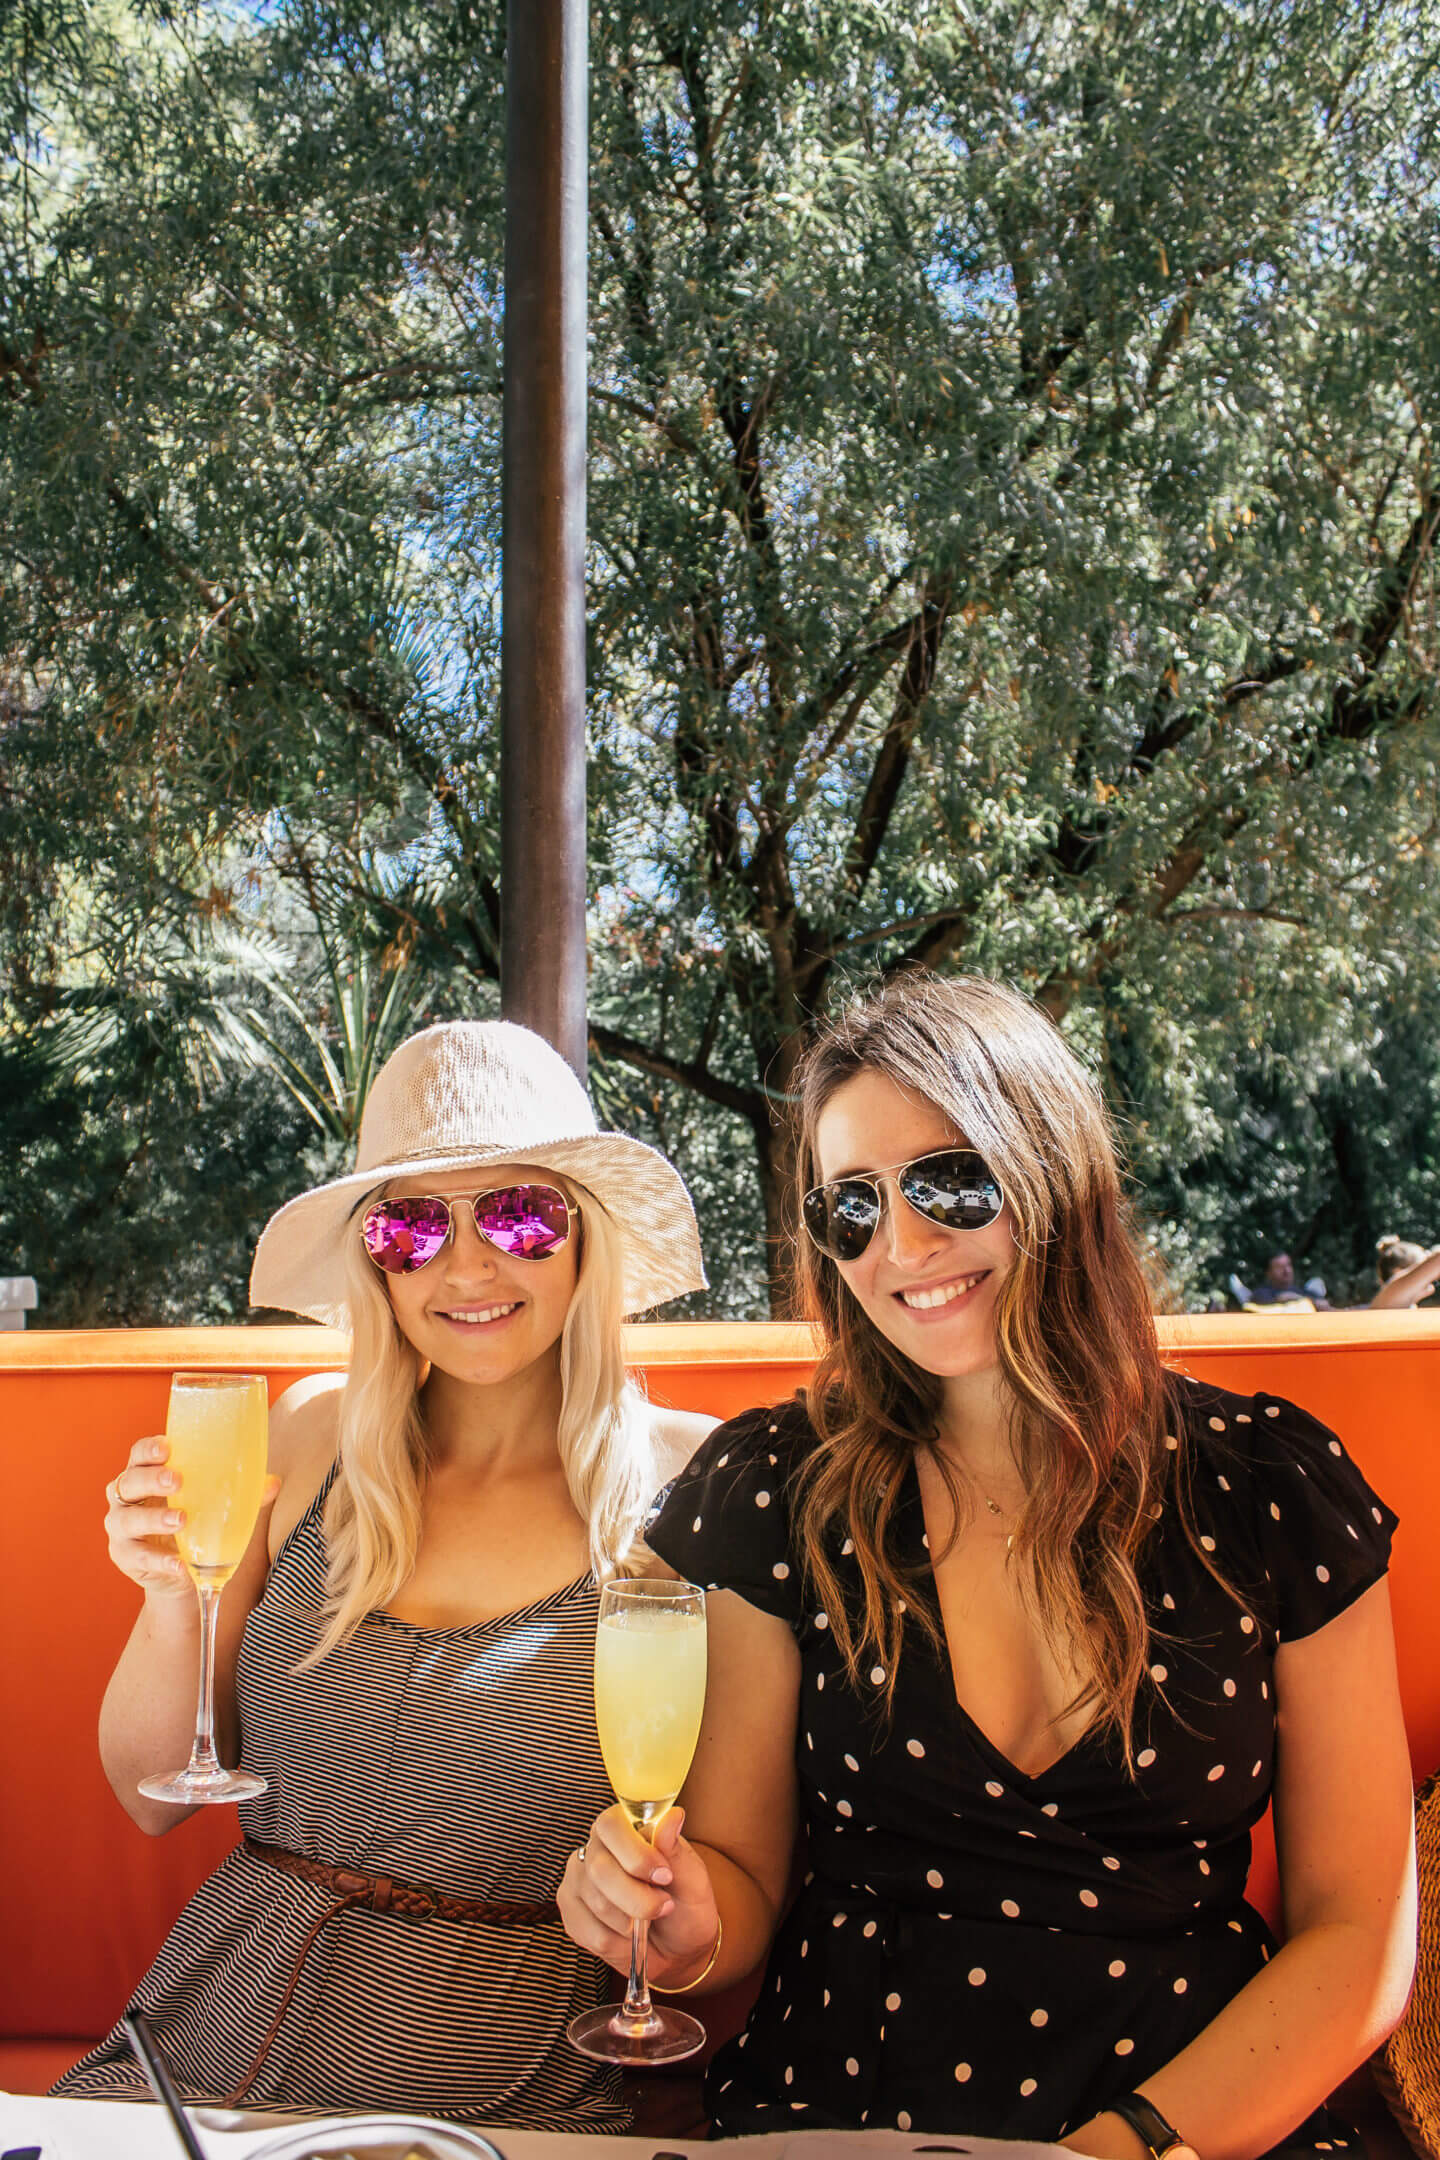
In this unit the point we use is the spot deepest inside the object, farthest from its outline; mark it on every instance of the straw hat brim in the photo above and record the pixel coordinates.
(299, 1261)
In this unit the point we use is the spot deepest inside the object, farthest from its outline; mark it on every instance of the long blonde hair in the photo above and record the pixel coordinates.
(372, 1514)
(1093, 1424)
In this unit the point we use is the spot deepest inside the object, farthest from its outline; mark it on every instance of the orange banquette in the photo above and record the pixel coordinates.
(88, 1899)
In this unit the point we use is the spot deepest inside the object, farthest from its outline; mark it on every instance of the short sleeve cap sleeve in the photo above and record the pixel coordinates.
(1323, 1534)
(725, 1522)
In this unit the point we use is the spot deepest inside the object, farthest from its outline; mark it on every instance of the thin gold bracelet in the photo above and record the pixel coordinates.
(706, 1969)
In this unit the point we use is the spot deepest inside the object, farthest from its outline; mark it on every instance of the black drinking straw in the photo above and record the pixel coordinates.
(142, 2040)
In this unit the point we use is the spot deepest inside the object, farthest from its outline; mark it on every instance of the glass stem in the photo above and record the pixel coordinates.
(637, 2003)
(203, 1758)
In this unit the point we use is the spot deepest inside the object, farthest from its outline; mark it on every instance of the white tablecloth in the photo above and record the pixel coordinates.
(118, 2130)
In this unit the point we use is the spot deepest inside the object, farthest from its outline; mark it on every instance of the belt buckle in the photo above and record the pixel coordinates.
(404, 1899)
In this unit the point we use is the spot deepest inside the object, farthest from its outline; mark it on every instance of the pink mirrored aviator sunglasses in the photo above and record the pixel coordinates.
(525, 1222)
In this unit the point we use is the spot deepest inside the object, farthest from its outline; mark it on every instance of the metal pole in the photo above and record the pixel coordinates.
(542, 653)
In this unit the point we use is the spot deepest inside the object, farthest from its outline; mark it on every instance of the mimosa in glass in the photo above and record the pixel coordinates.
(218, 1430)
(649, 1697)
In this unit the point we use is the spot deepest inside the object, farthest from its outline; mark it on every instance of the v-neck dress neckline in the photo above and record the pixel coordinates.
(913, 1547)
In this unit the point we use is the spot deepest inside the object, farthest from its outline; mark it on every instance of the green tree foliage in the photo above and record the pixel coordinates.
(1011, 508)
(140, 1142)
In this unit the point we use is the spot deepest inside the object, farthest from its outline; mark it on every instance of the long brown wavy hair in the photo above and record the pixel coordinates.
(1093, 1424)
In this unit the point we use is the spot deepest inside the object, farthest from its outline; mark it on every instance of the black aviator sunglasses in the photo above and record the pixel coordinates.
(954, 1187)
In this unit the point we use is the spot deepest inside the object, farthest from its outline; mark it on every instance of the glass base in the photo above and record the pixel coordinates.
(204, 1788)
(608, 2035)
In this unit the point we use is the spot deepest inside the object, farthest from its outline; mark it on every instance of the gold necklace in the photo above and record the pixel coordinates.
(995, 1508)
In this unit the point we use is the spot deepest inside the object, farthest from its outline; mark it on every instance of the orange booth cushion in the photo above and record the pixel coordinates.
(88, 1898)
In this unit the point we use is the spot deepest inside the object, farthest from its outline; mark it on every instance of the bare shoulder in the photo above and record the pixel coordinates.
(305, 1418)
(304, 1441)
(676, 1434)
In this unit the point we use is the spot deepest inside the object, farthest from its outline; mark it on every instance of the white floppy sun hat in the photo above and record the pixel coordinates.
(459, 1096)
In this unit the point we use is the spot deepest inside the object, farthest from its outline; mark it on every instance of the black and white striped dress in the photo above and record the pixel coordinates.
(462, 1758)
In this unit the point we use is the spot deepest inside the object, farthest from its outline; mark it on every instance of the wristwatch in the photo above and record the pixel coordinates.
(1160, 2138)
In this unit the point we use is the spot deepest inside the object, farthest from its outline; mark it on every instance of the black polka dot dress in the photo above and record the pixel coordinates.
(975, 1949)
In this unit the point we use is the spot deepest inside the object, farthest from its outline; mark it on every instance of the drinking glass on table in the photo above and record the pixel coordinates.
(218, 1430)
(649, 1695)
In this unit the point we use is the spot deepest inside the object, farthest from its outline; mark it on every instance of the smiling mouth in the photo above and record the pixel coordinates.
(481, 1315)
(941, 1293)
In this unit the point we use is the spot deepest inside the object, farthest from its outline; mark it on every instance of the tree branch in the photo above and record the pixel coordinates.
(892, 761)
(941, 920)
(946, 936)
(748, 1103)
(1354, 711)
(652, 418)
(145, 526)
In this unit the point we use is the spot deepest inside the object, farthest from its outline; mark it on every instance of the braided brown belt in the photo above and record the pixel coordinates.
(353, 1889)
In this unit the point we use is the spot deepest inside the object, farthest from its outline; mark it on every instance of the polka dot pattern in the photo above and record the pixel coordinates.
(932, 1852)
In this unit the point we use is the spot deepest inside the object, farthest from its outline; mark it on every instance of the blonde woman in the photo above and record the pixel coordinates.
(406, 1653)
(1027, 1632)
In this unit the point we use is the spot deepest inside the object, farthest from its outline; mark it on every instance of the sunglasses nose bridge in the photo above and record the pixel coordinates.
(908, 1230)
(467, 1241)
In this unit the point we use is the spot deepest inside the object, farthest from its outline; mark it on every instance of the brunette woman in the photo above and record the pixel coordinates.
(1027, 1632)
(406, 1653)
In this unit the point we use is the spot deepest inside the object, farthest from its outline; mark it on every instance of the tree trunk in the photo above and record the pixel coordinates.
(775, 1136)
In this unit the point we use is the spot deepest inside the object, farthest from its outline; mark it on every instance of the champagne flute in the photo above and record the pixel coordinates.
(218, 1429)
(649, 1695)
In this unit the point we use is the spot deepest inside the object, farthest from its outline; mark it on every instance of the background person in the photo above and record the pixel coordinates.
(1279, 1283)
(406, 1652)
(1279, 1288)
(1012, 1618)
(1408, 1274)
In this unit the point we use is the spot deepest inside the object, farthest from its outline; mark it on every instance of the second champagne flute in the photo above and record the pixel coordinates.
(649, 1696)
(218, 1428)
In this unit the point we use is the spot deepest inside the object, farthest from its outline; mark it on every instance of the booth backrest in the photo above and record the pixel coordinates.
(88, 1899)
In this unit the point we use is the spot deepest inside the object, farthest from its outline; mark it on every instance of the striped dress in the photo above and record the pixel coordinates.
(462, 1758)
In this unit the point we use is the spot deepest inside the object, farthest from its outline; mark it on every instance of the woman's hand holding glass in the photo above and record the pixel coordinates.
(619, 1877)
(650, 1677)
(180, 1518)
(141, 1521)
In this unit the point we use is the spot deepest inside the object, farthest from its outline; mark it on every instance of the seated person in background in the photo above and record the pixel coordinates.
(1009, 1617)
(1408, 1274)
(1278, 1288)
(406, 1652)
